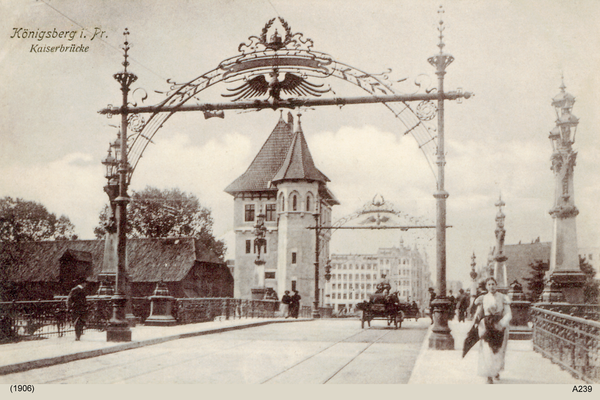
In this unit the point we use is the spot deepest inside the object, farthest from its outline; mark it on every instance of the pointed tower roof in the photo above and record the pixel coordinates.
(298, 163)
(268, 160)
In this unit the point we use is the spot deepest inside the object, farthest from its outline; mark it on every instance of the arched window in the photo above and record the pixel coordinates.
(282, 199)
(295, 203)
(308, 203)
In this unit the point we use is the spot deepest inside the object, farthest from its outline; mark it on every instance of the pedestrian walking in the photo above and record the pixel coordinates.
(295, 304)
(77, 305)
(452, 311)
(431, 299)
(463, 305)
(285, 304)
(492, 317)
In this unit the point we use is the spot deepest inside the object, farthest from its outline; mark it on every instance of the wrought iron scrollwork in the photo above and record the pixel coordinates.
(278, 47)
(426, 111)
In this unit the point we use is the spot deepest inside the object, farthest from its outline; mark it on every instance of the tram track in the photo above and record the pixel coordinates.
(325, 349)
(318, 352)
(138, 360)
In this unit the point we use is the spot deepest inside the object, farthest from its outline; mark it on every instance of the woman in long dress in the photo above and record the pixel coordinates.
(493, 316)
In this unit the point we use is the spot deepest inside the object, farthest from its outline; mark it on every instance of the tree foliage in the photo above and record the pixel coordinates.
(155, 213)
(22, 220)
(537, 280)
(591, 287)
(25, 221)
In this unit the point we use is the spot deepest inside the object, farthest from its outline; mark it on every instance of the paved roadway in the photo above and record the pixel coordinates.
(308, 352)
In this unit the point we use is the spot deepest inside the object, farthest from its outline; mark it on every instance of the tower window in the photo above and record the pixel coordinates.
(295, 203)
(293, 258)
(249, 212)
(248, 246)
(270, 212)
(307, 203)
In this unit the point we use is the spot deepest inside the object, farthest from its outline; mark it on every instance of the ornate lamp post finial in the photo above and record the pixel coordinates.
(441, 29)
(125, 50)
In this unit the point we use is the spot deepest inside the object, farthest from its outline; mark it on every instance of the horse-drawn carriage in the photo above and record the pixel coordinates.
(384, 306)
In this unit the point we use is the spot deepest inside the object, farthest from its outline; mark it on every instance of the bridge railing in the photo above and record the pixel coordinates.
(569, 341)
(192, 310)
(22, 320)
(25, 320)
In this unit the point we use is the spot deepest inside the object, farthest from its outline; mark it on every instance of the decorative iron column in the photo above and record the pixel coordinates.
(499, 257)
(473, 274)
(317, 215)
(566, 278)
(260, 242)
(441, 339)
(118, 329)
(328, 284)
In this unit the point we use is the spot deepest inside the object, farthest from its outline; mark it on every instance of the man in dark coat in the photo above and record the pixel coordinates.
(77, 305)
(463, 305)
(285, 304)
(295, 304)
(431, 299)
(452, 306)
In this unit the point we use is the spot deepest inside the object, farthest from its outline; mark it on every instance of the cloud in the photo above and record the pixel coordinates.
(71, 185)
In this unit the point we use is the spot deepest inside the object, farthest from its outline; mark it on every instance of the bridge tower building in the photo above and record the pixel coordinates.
(283, 184)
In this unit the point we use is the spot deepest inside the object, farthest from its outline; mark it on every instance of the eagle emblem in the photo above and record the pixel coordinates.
(261, 85)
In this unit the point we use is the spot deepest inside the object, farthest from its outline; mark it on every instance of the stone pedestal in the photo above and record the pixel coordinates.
(520, 308)
(258, 293)
(570, 284)
(161, 305)
(552, 293)
(440, 338)
(326, 312)
(118, 327)
(106, 288)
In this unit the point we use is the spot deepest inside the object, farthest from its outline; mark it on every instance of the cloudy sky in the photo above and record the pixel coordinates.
(511, 54)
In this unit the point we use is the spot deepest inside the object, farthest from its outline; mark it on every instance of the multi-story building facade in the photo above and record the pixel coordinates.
(283, 185)
(355, 276)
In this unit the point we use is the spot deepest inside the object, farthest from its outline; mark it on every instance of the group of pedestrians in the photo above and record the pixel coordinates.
(290, 305)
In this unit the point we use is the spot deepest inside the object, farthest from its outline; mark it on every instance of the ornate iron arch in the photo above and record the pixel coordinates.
(374, 209)
(290, 53)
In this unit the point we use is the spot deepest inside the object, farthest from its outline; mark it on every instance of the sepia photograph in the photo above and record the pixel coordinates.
(299, 193)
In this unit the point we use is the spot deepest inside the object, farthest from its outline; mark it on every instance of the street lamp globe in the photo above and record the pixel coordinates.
(109, 163)
(566, 122)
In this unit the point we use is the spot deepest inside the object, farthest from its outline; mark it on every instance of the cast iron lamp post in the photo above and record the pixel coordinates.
(327, 278)
(260, 242)
(118, 328)
(440, 338)
(317, 215)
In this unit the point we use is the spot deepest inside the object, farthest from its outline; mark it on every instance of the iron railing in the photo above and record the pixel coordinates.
(586, 311)
(569, 341)
(21, 320)
(190, 310)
